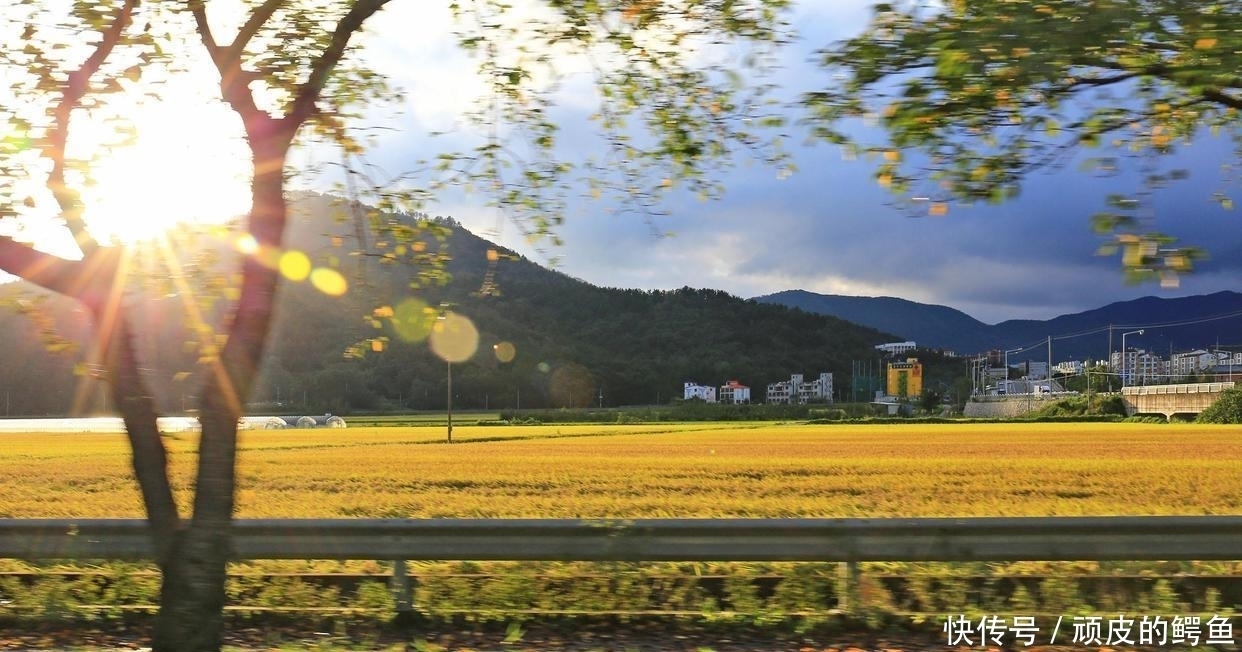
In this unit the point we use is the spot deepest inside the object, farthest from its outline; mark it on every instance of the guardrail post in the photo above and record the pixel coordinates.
(848, 600)
(402, 587)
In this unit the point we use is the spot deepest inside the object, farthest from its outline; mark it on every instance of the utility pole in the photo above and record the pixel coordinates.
(449, 403)
(1088, 366)
(1110, 347)
(1049, 363)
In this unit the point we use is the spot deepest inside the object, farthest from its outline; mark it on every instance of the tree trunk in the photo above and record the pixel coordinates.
(133, 399)
(192, 557)
(195, 571)
(192, 597)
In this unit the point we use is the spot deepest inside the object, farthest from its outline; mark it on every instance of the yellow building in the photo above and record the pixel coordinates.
(905, 379)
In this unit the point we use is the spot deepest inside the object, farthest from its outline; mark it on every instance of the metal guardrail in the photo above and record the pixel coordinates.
(1118, 538)
(1134, 538)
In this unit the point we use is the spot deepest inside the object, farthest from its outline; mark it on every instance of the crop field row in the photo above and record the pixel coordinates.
(662, 470)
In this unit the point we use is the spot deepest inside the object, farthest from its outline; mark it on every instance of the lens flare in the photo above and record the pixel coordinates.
(329, 281)
(571, 386)
(412, 320)
(505, 351)
(295, 265)
(454, 338)
(247, 244)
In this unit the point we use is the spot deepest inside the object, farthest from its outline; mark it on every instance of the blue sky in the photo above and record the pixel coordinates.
(829, 228)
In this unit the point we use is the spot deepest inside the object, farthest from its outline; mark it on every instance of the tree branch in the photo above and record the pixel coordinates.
(88, 280)
(308, 93)
(75, 88)
(234, 82)
(203, 27)
(1100, 81)
(248, 31)
(1221, 97)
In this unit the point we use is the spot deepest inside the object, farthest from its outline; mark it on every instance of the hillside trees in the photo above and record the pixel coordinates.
(975, 96)
(292, 74)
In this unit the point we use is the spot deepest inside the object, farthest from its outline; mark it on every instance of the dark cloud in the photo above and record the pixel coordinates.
(831, 229)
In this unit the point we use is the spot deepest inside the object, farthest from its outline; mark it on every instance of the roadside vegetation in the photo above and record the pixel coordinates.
(1226, 409)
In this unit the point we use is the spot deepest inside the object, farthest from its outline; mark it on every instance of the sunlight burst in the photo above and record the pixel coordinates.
(182, 167)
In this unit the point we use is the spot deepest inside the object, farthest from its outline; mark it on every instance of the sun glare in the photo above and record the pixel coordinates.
(184, 164)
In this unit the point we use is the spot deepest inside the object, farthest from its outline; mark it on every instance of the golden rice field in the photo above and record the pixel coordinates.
(663, 470)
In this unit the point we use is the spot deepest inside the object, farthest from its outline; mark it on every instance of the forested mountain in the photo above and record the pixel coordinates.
(927, 324)
(1178, 324)
(574, 343)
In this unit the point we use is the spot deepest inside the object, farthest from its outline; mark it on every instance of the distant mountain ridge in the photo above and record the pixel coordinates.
(1176, 324)
(544, 339)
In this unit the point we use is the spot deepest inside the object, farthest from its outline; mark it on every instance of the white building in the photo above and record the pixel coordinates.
(1123, 363)
(1149, 368)
(734, 392)
(1191, 362)
(798, 390)
(782, 392)
(1138, 367)
(896, 348)
(700, 392)
(1069, 367)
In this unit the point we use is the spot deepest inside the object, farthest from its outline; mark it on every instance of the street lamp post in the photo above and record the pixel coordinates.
(1007, 352)
(449, 404)
(1125, 376)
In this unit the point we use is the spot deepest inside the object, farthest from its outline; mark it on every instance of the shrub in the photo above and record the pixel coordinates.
(1226, 409)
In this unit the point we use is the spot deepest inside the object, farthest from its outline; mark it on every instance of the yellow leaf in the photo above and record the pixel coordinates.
(1205, 43)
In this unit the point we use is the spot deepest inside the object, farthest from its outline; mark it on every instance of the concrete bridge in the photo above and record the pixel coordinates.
(1172, 399)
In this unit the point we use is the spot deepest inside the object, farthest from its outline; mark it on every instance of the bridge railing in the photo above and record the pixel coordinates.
(1184, 388)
